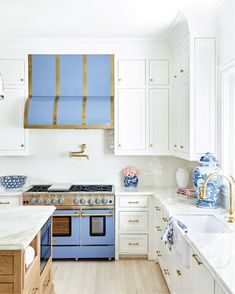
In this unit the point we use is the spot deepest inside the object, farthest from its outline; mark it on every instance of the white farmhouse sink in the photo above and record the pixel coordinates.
(197, 223)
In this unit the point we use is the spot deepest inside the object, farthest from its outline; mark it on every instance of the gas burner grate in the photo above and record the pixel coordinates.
(39, 188)
(91, 188)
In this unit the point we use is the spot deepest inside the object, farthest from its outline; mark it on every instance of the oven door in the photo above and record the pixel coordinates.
(66, 227)
(97, 227)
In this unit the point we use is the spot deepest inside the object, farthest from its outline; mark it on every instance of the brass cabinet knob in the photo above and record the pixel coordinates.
(175, 76)
(151, 80)
(178, 272)
(119, 80)
(166, 271)
(157, 208)
(175, 146)
(181, 147)
(22, 145)
(159, 228)
(150, 145)
(119, 145)
(21, 79)
(181, 70)
(159, 253)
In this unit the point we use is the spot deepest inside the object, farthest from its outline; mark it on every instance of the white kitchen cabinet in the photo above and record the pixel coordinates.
(158, 119)
(201, 280)
(132, 72)
(13, 136)
(13, 72)
(158, 72)
(131, 119)
(12, 200)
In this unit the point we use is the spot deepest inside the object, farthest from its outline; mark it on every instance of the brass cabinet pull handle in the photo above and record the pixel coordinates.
(133, 202)
(133, 220)
(159, 228)
(46, 283)
(197, 259)
(159, 253)
(157, 208)
(35, 290)
(178, 272)
(133, 244)
(166, 271)
(165, 220)
(4, 202)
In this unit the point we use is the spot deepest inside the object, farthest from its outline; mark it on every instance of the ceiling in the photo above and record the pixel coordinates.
(93, 18)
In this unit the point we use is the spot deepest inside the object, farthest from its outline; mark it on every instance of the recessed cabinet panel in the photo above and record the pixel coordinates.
(158, 119)
(158, 72)
(13, 71)
(131, 122)
(11, 121)
(132, 72)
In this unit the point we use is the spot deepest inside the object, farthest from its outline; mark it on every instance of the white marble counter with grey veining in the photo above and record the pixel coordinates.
(20, 224)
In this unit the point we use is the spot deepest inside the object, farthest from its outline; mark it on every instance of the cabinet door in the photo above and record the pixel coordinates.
(131, 72)
(11, 121)
(218, 289)
(158, 119)
(201, 280)
(158, 72)
(131, 119)
(12, 71)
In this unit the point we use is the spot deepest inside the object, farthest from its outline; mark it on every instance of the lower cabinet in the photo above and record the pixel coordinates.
(10, 200)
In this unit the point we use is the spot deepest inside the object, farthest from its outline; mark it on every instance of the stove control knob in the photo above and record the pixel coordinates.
(83, 201)
(32, 200)
(47, 201)
(98, 200)
(54, 200)
(75, 200)
(61, 200)
(39, 201)
(104, 201)
(91, 201)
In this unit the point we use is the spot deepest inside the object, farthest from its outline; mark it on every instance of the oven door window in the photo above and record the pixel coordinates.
(97, 226)
(62, 226)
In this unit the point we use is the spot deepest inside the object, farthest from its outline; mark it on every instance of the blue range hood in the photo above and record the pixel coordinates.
(70, 91)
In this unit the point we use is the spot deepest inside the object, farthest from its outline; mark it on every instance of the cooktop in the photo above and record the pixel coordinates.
(72, 188)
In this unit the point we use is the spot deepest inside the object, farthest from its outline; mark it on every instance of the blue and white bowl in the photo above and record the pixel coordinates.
(13, 182)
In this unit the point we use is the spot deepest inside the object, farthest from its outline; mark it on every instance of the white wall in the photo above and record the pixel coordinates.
(49, 160)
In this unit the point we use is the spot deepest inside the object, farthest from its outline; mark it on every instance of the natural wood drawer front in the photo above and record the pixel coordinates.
(133, 244)
(7, 288)
(133, 201)
(133, 221)
(9, 201)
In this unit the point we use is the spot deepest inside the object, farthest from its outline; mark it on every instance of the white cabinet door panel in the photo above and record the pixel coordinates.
(131, 119)
(158, 119)
(11, 121)
(133, 244)
(133, 201)
(158, 72)
(12, 71)
(131, 72)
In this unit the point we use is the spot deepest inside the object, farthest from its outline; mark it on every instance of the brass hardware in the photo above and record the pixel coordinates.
(35, 290)
(159, 253)
(181, 70)
(53, 242)
(22, 145)
(133, 244)
(197, 259)
(55, 108)
(119, 80)
(4, 202)
(133, 202)
(21, 79)
(175, 145)
(165, 220)
(166, 271)
(230, 217)
(79, 153)
(178, 272)
(119, 145)
(157, 208)
(133, 221)
(181, 147)
(150, 145)
(30, 66)
(93, 214)
(151, 80)
(175, 77)
(46, 283)
(159, 228)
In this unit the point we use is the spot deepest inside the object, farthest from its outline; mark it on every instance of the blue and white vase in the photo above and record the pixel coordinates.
(208, 165)
(130, 182)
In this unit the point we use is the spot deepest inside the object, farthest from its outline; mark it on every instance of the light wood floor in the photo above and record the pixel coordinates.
(108, 277)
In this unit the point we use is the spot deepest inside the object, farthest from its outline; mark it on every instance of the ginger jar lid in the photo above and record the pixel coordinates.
(208, 159)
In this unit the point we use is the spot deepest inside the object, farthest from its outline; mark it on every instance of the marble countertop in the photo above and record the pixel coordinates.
(20, 224)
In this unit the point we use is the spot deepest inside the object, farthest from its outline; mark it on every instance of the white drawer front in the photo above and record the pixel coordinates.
(4, 201)
(133, 201)
(133, 221)
(133, 244)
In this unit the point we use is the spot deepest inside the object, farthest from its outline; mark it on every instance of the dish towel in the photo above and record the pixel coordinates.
(169, 232)
(29, 256)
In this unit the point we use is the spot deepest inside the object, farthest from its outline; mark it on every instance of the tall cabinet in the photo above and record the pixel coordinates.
(142, 103)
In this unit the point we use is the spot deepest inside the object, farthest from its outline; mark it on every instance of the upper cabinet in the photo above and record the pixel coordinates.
(142, 108)
(13, 72)
(158, 72)
(132, 72)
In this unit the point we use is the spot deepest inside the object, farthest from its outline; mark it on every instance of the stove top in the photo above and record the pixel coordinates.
(73, 188)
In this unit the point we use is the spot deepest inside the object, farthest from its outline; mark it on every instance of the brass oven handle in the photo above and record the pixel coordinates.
(93, 214)
(68, 214)
(197, 259)
(4, 202)
(133, 220)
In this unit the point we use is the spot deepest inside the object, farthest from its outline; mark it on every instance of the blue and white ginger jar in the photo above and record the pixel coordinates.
(130, 182)
(208, 165)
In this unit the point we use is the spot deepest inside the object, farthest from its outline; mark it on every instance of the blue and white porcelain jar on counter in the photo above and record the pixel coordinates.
(208, 165)
(130, 177)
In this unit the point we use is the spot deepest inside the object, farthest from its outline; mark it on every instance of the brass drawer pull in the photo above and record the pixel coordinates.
(46, 283)
(159, 228)
(197, 259)
(133, 244)
(165, 220)
(4, 202)
(35, 290)
(133, 202)
(157, 208)
(178, 272)
(133, 220)
(166, 271)
(159, 253)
